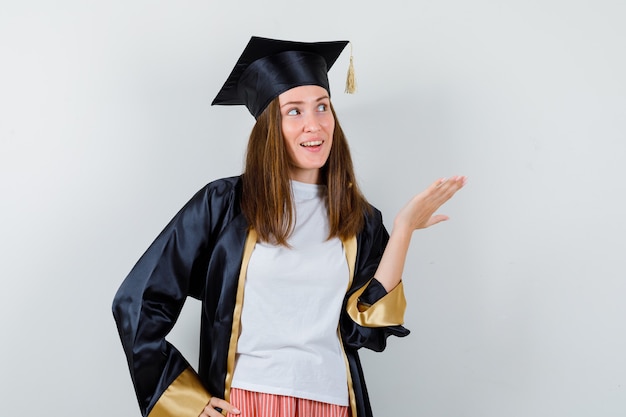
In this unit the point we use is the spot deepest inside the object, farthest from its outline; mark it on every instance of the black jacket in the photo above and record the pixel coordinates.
(202, 253)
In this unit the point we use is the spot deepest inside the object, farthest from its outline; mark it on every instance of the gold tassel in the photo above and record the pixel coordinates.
(351, 80)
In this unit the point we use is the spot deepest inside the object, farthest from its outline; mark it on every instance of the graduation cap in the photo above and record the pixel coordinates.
(269, 67)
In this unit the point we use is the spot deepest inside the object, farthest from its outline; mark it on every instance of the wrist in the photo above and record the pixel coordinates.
(401, 231)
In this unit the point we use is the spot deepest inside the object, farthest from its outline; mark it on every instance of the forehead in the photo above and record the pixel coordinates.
(303, 93)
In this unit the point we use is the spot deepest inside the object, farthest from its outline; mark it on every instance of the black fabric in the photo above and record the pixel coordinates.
(375, 291)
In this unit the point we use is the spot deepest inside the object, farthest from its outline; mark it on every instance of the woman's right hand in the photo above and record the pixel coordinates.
(419, 213)
(215, 407)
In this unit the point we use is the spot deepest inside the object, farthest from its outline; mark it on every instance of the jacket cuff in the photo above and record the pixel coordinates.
(375, 307)
(185, 397)
(374, 292)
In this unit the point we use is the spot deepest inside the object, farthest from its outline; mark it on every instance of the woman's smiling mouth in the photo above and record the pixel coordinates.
(312, 143)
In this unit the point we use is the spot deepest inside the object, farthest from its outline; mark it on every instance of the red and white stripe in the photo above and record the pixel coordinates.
(257, 404)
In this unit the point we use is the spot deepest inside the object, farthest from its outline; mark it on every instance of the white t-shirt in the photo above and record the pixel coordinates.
(292, 300)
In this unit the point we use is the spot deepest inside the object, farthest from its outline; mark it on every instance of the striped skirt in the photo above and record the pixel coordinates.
(256, 404)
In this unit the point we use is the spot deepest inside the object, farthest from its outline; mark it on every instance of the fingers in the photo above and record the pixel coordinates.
(455, 183)
(436, 195)
(442, 190)
(437, 218)
(216, 406)
(420, 210)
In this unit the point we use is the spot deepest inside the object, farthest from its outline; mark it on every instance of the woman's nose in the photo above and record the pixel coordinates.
(311, 124)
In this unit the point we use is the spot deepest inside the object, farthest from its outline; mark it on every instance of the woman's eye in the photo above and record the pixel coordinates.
(321, 107)
(293, 112)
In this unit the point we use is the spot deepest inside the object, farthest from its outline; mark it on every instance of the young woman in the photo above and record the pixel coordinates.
(294, 268)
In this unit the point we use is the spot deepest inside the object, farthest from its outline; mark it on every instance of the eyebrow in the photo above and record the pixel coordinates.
(325, 97)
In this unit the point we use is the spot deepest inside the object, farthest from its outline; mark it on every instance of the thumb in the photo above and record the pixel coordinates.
(437, 218)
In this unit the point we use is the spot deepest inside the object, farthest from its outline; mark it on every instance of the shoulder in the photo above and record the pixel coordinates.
(227, 184)
(221, 188)
(374, 231)
(217, 195)
(373, 218)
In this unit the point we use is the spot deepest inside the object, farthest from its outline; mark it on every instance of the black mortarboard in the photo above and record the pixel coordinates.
(269, 67)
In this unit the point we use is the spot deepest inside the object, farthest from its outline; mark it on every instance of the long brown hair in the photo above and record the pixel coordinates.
(267, 202)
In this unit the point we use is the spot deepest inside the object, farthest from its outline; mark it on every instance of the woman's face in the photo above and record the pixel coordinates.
(308, 125)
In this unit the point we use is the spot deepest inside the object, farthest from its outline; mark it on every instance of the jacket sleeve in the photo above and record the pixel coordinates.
(371, 314)
(150, 299)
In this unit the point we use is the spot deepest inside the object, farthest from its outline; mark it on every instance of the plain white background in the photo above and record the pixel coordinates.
(516, 304)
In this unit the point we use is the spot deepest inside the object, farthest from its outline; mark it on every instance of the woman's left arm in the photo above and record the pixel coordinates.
(418, 213)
